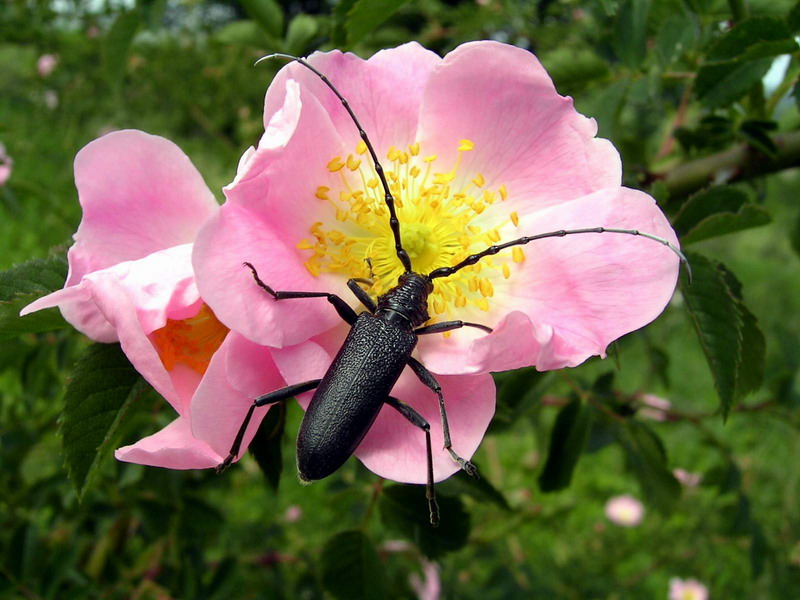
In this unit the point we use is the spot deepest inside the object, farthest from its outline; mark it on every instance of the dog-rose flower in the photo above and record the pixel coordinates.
(479, 149)
(131, 280)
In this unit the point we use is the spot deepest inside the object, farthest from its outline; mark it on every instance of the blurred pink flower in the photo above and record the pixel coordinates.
(687, 589)
(654, 407)
(686, 478)
(293, 514)
(46, 64)
(429, 588)
(131, 280)
(625, 511)
(92, 32)
(6, 165)
(470, 164)
(51, 99)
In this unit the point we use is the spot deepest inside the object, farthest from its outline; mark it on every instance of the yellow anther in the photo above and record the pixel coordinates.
(506, 271)
(335, 164)
(393, 154)
(479, 180)
(488, 197)
(362, 147)
(373, 183)
(414, 171)
(479, 207)
(429, 159)
(320, 249)
(353, 163)
(465, 146)
(313, 267)
(474, 229)
(517, 254)
(482, 303)
(461, 301)
(304, 245)
(403, 158)
(503, 192)
(337, 237)
(438, 306)
(473, 284)
(443, 178)
(446, 334)
(341, 215)
(487, 290)
(494, 235)
(322, 192)
(345, 196)
(514, 219)
(414, 149)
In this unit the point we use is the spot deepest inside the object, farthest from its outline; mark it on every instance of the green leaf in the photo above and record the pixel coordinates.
(703, 204)
(573, 68)
(738, 41)
(299, 34)
(117, 44)
(676, 35)
(101, 388)
(567, 443)
(479, 490)
(404, 511)
(646, 457)
(729, 334)
(367, 15)
(794, 236)
(267, 13)
(351, 568)
(266, 446)
(747, 217)
(793, 19)
(517, 393)
(339, 29)
(719, 84)
(631, 32)
(718, 324)
(21, 285)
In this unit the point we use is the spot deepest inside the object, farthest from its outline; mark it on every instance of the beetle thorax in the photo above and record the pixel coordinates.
(407, 301)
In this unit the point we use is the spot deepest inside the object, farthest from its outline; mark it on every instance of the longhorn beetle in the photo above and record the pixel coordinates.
(360, 379)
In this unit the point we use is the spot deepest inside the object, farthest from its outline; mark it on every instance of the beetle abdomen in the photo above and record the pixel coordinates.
(351, 394)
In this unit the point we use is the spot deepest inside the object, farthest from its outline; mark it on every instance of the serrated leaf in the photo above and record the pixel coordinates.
(101, 388)
(747, 217)
(268, 14)
(404, 511)
(266, 446)
(21, 285)
(117, 44)
(719, 84)
(567, 443)
(479, 490)
(718, 324)
(631, 32)
(646, 457)
(366, 15)
(299, 34)
(717, 199)
(351, 568)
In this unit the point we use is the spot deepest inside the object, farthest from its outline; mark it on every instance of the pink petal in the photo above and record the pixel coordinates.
(575, 294)
(394, 448)
(385, 92)
(526, 136)
(174, 447)
(239, 372)
(139, 193)
(134, 299)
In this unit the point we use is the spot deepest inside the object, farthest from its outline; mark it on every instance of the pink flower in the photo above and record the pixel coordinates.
(688, 589)
(131, 280)
(429, 588)
(625, 511)
(6, 165)
(688, 479)
(654, 407)
(46, 64)
(479, 148)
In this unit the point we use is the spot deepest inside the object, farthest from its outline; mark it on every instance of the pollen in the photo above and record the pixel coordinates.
(444, 215)
(191, 342)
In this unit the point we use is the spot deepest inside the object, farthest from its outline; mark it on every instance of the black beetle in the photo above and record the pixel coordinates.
(360, 379)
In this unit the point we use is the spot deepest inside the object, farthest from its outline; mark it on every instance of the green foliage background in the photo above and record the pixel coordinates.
(678, 85)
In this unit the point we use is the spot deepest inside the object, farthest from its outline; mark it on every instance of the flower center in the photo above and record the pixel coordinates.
(442, 221)
(191, 342)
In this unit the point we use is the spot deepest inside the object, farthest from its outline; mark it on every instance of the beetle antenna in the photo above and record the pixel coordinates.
(394, 223)
(491, 250)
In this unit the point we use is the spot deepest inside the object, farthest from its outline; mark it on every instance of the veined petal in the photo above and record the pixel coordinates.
(174, 447)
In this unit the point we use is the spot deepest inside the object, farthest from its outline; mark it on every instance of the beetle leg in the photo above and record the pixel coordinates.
(428, 379)
(449, 326)
(344, 310)
(270, 398)
(418, 420)
(361, 294)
